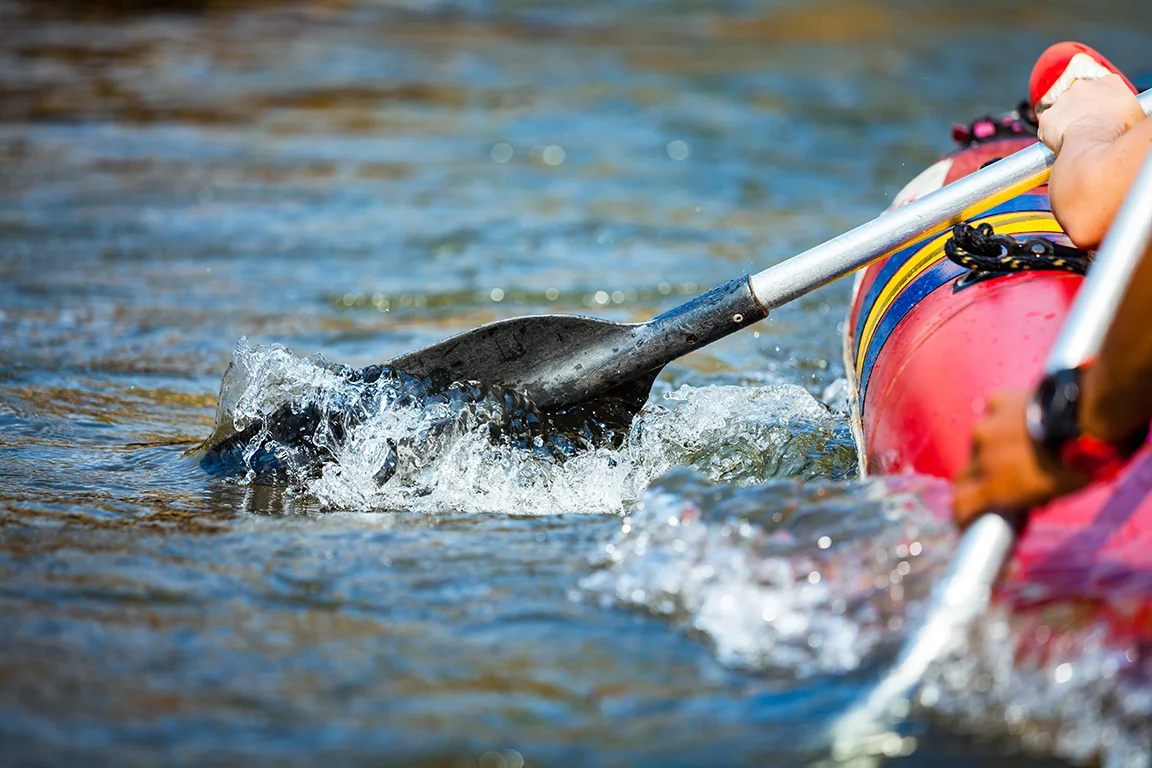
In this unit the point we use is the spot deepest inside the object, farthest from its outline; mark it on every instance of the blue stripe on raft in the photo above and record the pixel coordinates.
(1030, 202)
(941, 273)
(936, 276)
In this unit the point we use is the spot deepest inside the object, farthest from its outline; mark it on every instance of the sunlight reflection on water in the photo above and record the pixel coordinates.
(360, 179)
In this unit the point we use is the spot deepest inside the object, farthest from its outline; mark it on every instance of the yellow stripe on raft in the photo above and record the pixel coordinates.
(1015, 223)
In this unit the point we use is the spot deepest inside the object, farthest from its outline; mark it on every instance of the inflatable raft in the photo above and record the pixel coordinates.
(925, 346)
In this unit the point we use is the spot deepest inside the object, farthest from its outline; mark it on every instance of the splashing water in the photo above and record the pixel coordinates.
(740, 525)
(169, 180)
(796, 579)
(1054, 681)
(380, 439)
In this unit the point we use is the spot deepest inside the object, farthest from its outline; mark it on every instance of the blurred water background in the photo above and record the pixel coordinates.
(358, 178)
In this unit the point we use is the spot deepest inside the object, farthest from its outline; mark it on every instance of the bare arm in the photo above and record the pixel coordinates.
(1101, 136)
(1118, 387)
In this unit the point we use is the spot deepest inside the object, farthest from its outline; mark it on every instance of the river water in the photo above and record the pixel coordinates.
(189, 184)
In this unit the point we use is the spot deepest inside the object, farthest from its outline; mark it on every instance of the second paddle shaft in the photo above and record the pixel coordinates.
(949, 205)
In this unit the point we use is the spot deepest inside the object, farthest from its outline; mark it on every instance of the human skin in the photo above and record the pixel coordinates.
(1102, 137)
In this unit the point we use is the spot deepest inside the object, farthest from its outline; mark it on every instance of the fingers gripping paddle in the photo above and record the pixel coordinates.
(558, 361)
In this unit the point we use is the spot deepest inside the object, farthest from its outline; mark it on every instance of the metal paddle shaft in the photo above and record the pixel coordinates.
(562, 360)
(964, 593)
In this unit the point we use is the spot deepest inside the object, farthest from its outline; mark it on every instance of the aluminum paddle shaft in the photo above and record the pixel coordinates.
(949, 205)
(965, 591)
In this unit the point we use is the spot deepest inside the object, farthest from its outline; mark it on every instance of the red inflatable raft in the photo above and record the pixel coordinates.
(925, 348)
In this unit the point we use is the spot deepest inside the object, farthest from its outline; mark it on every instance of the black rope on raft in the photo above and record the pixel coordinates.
(980, 249)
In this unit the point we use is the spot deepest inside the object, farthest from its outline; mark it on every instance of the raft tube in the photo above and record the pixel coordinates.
(925, 347)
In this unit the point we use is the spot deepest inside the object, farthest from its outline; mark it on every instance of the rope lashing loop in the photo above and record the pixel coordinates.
(980, 249)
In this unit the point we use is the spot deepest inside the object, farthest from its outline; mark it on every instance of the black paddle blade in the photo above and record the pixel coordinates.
(553, 360)
(575, 382)
(559, 361)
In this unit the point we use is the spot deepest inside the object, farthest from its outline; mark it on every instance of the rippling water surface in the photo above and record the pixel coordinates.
(189, 184)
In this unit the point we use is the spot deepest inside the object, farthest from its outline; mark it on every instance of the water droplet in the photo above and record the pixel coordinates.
(502, 152)
(824, 542)
(552, 294)
(553, 155)
(678, 150)
(497, 294)
(1063, 673)
(493, 760)
(900, 707)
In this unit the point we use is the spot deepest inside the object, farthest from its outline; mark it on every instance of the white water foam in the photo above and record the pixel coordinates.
(795, 581)
(447, 459)
(721, 537)
(798, 580)
(1056, 680)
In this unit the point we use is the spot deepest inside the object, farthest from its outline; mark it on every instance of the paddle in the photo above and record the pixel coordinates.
(563, 360)
(966, 589)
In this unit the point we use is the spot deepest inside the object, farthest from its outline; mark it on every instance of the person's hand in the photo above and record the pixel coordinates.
(1102, 109)
(1005, 471)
